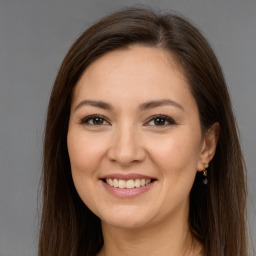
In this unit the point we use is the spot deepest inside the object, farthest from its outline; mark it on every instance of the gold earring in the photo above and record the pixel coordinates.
(205, 180)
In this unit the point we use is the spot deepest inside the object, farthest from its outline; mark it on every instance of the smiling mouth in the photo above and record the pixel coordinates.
(128, 184)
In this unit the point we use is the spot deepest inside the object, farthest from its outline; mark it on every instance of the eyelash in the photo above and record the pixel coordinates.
(164, 118)
(89, 118)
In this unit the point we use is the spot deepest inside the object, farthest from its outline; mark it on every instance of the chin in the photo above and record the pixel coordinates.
(127, 219)
(125, 223)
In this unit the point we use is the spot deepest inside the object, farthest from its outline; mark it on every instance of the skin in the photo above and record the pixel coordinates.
(129, 140)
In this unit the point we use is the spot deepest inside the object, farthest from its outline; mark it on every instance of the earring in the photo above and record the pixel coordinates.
(205, 180)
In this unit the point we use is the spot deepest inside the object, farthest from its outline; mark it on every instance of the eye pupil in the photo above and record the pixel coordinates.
(98, 121)
(159, 121)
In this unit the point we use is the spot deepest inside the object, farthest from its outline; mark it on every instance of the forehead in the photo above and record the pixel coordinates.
(134, 72)
(134, 56)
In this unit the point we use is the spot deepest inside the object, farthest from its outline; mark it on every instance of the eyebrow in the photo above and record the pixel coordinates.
(142, 107)
(158, 103)
(94, 103)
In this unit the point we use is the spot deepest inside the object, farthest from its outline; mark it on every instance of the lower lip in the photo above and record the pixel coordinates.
(127, 192)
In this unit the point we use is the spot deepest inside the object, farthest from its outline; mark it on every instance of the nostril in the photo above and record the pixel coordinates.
(125, 148)
(126, 156)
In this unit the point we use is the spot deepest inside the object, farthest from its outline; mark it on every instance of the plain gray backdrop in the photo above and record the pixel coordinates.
(34, 37)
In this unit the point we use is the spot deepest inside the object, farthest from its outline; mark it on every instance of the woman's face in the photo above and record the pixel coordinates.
(134, 138)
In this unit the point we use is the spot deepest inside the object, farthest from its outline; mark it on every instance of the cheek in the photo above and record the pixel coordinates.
(177, 154)
(84, 152)
(84, 155)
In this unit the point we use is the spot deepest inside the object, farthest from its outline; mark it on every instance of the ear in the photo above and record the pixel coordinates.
(208, 146)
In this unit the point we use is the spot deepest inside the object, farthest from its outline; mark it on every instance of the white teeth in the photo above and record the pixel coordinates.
(115, 183)
(121, 183)
(110, 182)
(128, 183)
(137, 183)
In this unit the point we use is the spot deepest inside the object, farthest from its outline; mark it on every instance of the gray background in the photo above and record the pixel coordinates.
(34, 37)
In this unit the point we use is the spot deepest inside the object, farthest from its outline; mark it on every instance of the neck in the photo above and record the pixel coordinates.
(173, 238)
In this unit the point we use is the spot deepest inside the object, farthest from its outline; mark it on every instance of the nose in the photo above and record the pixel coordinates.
(126, 146)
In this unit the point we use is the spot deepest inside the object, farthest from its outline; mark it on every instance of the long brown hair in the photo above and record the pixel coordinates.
(217, 211)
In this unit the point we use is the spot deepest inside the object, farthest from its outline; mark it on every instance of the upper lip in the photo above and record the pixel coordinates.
(130, 176)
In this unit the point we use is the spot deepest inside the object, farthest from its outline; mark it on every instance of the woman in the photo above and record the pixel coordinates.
(141, 153)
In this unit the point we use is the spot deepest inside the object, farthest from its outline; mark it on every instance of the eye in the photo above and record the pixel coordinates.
(160, 120)
(97, 120)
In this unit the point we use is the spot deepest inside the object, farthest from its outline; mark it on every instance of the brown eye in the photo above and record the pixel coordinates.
(98, 121)
(94, 120)
(160, 120)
